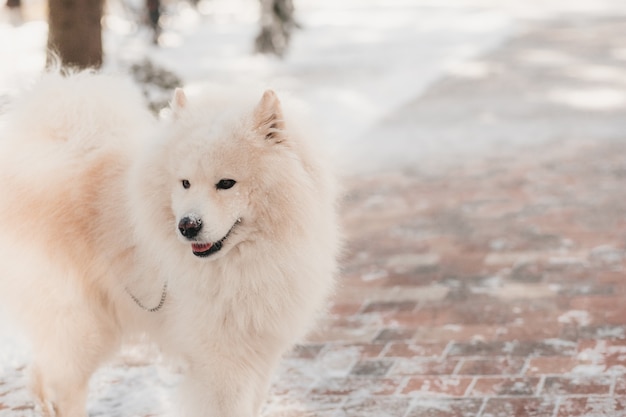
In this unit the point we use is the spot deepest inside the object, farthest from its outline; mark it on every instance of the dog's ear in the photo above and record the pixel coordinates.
(268, 117)
(179, 101)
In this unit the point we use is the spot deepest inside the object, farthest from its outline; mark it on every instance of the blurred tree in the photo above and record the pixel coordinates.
(15, 11)
(75, 32)
(277, 23)
(154, 15)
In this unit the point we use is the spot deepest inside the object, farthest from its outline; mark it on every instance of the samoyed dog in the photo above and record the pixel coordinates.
(213, 231)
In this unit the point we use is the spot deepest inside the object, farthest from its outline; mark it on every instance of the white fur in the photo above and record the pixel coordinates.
(91, 211)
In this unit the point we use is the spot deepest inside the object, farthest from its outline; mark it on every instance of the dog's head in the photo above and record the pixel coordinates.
(227, 167)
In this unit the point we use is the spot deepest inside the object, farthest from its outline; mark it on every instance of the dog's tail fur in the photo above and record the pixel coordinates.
(79, 109)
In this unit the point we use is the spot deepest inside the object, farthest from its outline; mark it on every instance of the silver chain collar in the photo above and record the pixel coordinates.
(153, 309)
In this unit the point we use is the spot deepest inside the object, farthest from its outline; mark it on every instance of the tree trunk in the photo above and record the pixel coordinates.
(277, 23)
(75, 33)
(15, 12)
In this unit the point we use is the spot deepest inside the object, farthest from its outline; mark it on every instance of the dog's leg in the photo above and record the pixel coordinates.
(66, 355)
(59, 397)
(228, 386)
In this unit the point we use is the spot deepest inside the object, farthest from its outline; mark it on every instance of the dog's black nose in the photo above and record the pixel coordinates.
(189, 227)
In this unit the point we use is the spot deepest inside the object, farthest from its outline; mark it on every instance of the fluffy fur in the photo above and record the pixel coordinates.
(101, 201)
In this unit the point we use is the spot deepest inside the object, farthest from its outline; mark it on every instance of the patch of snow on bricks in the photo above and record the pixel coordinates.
(14, 394)
(408, 261)
(122, 391)
(588, 369)
(338, 362)
(606, 255)
(511, 258)
(594, 358)
(601, 407)
(487, 285)
(572, 260)
(560, 343)
(611, 333)
(435, 404)
(374, 275)
(453, 327)
(579, 317)
(526, 290)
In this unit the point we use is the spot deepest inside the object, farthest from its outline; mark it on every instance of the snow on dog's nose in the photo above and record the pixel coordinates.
(190, 226)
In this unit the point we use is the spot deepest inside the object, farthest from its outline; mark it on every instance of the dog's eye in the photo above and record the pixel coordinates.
(225, 184)
(186, 184)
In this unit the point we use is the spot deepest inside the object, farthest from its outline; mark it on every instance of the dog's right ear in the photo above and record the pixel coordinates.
(179, 101)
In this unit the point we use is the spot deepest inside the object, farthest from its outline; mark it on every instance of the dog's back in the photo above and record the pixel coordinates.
(65, 147)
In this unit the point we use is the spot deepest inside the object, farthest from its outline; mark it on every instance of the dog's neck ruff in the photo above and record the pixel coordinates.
(153, 309)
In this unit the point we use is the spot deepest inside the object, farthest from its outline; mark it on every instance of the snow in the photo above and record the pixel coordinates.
(354, 61)
(579, 317)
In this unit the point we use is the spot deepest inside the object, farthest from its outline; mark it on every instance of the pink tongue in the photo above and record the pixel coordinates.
(201, 247)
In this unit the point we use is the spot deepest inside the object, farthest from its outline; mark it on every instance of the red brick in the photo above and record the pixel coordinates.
(393, 334)
(462, 263)
(602, 310)
(519, 407)
(458, 333)
(414, 350)
(376, 407)
(502, 386)
(592, 406)
(360, 351)
(412, 319)
(372, 367)
(579, 385)
(387, 306)
(619, 389)
(345, 309)
(446, 407)
(429, 366)
(421, 277)
(371, 350)
(444, 385)
(499, 365)
(478, 309)
(551, 365)
(611, 277)
(356, 386)
(540, 330)
(305, 351)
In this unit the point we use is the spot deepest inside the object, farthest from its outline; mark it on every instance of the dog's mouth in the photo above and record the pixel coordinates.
(203, 250)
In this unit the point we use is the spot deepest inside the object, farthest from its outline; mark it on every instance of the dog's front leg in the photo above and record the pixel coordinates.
(227, 385)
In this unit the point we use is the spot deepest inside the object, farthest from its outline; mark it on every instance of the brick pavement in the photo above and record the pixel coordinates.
(493, 289)
(486, 280)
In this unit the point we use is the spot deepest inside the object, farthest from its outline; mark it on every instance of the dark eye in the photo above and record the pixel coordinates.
(225, 184)
(186, 184)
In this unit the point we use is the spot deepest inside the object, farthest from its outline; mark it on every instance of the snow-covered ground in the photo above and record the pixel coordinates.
(354, 61)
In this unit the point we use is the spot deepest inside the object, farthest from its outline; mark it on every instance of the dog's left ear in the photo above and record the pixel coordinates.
(268, 117)
(179, 101)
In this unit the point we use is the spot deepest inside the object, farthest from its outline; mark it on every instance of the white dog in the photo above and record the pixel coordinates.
(214, 233)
